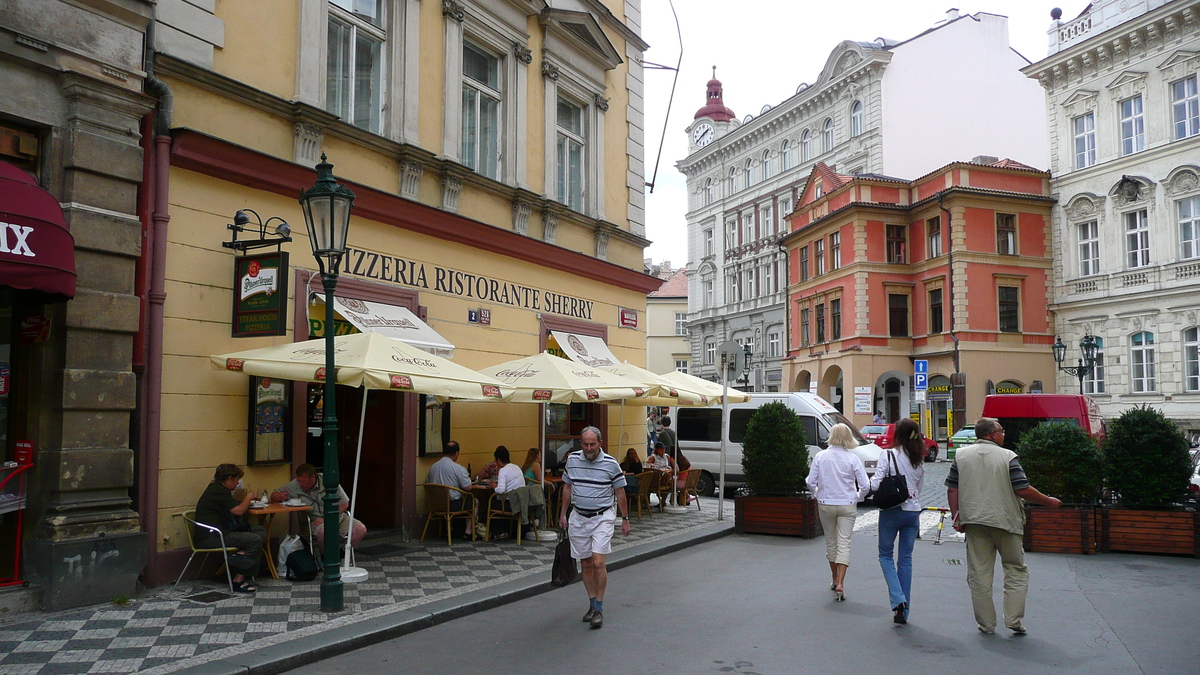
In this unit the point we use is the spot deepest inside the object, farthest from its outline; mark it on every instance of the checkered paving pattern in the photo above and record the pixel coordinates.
(933, 494)
(161, 631)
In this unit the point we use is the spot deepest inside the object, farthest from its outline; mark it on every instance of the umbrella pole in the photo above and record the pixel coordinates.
(349, 566)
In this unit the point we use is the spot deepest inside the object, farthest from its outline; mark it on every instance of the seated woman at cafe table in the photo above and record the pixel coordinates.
(309, 488)
(217, 508)
(661, 461)
(681, 480)
(631, 467)
(533, 464)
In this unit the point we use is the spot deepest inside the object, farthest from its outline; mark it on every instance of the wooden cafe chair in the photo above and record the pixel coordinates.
(437, 497)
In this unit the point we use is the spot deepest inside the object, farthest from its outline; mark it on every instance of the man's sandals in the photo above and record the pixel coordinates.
(244, 587)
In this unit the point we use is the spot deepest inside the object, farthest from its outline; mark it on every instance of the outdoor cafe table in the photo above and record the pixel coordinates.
(267, 513)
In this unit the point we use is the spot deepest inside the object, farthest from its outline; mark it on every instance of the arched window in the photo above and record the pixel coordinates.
(749, 172)
(856, 119)
(785, 155)
(708, 191)
(731, 182)
(1141, 359)
(827, 136)
(766, 164)
(806, 146)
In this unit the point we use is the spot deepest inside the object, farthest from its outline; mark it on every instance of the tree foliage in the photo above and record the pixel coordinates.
(775, 451)
(1061, 459)
(1147, 458)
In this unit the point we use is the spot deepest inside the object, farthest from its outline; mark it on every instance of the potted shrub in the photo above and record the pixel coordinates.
(1147, 470)
(1061, 459)
(775, 461)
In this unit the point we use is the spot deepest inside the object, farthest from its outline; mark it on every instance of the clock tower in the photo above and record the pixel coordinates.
(713, 119)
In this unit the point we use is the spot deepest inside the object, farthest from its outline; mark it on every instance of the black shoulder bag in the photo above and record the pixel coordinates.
(893, 489)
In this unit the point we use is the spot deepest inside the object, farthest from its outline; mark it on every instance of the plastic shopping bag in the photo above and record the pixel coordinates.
(289, 544)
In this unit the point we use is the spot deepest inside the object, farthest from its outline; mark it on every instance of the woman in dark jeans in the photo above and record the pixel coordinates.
(217, 508)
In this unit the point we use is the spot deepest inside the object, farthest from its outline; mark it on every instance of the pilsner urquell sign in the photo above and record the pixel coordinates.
(260, 295)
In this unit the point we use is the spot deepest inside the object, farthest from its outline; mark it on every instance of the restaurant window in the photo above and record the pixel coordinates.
(803, 263)
(835, 319)
(481, 111)
(819, 257)
(935, 311)
(354, 63)
(897, 315)
(1093, 382)
(804, 322)
(933, 237)
(569, 154)
(1010, 309)
(1006, 234)
(1141, 352)
(835, 251)
(896, 241)
(820, 314)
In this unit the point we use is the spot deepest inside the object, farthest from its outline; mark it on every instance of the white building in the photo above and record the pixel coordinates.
(1121, 94)
(885, 107)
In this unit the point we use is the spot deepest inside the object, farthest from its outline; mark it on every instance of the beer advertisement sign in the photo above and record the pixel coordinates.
(260, 295)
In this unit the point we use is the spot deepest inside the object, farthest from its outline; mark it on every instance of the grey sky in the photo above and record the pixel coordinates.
(763, 50)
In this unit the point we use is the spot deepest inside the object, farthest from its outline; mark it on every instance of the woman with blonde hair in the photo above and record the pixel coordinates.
(532, 466)
(838, 481)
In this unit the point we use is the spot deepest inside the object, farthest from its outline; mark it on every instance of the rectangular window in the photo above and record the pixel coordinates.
(1085, 140)
(1142, 359)
(481, 111)
(748, 221)
(710, 352)
(773, 344)
(835, 250)
(819, 257)
(1089, 248)
(1006, 234)
(731, 283)
(708, 293)
(1137, 239)
(896, 244)
(681, 323)
(709, 248)
(1189, 227)
(1185, 107)
(768, 221)
(785, 207)
(1010, 309)
(768, 285)
(820, 323)
(1093, 382)
(569, 154)
(803, 263)
(804, 320)
(897, 315)
(748, 275)
(1191, 359)
(1133, 126)
(935, 311)
(681, 365)
(354, 64)
(835, 319)
(933, 237)
(730, 234)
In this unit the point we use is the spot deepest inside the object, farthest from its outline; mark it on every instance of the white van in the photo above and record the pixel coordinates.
(699, 434)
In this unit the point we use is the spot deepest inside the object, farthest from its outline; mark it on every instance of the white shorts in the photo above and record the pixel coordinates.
(591, 535)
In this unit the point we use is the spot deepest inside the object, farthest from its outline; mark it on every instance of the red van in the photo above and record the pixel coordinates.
(1020, 412)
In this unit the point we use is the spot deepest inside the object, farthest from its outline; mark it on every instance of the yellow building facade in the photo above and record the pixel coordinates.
(494, 148)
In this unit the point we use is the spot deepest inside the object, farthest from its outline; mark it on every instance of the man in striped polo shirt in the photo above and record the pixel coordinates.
(594, 487)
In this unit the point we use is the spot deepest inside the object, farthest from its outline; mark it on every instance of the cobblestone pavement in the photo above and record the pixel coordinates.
(933, 495)
(163, 630)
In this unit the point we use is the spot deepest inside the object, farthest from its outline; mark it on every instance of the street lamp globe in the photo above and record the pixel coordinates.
(326, 208)
(1087, 347)
(1060, 351)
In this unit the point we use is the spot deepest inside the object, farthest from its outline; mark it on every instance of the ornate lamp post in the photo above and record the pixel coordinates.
(1087, 361)
(326, 208)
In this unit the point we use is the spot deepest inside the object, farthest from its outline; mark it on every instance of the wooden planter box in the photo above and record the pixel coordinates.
(1165, 530)
(795, 516)
(1067, 530)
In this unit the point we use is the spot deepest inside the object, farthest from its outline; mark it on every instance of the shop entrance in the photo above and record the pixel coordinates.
(379, 486)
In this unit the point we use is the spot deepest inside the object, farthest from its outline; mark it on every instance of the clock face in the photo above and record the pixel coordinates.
(703, 134)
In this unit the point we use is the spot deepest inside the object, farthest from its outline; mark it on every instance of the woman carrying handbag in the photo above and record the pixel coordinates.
(905, 464)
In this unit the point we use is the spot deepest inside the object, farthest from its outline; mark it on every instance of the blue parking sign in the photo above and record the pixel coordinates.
(920, 381)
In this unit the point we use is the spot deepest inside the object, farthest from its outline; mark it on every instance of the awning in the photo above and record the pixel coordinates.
(585, 349)
(37, 251)
(390, 320)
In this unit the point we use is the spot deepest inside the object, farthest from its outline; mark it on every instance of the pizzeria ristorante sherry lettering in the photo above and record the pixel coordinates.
(463, 284)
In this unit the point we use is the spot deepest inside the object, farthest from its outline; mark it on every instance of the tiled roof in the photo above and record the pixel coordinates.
(676, 286)
(1012, 164)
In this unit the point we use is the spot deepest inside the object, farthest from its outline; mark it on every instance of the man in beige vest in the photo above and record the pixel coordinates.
(985, 487)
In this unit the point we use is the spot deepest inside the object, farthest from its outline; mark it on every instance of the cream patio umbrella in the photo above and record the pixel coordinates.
(371, 361)
(709, 388)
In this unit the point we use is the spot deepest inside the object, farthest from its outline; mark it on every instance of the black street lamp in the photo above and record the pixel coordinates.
(326, 208)
(1087, 361)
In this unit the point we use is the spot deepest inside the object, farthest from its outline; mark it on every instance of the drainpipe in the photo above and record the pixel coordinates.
(156, 244)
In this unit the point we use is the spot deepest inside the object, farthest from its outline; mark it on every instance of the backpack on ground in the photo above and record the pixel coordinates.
(301, 566)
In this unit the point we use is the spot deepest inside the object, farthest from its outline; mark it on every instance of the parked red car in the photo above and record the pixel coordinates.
(884, 436)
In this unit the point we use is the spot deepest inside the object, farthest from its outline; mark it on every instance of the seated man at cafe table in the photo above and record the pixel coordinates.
(447, 471)
(309, 488)
(218, 508)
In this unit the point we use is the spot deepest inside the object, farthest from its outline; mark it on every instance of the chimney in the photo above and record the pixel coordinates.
(984, 159)
(951, 14)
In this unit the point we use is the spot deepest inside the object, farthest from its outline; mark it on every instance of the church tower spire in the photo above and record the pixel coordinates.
(714, 105)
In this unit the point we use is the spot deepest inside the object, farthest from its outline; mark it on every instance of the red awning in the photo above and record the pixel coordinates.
(37, 251)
